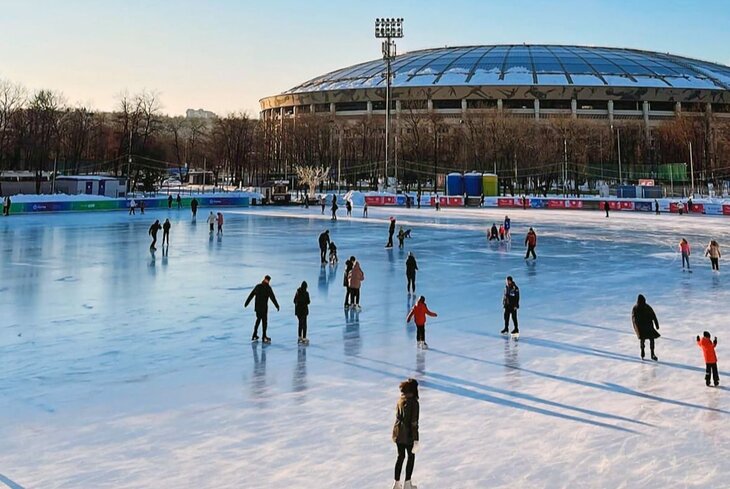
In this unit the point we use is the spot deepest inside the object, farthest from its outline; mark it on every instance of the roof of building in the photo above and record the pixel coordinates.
(529, 64)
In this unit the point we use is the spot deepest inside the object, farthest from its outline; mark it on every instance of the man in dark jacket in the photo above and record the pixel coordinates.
(511, 302)
(194, 206)
(324, 241)
(645, 324)
(179, 201)
(153, 232)
(391, 230)
(411, 267)
(169, 201)
(531, 243)
(263, 293)
(606, 207)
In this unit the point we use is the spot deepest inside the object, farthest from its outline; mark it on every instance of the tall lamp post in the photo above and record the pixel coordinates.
(388, 29)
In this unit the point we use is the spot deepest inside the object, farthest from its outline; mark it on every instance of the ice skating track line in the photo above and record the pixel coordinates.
(9, 483)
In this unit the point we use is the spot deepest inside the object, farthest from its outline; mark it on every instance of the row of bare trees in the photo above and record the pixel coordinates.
(40, 131)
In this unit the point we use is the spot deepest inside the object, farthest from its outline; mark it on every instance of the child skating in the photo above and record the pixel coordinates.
(708, 352)
(418, 314)
(333, 253)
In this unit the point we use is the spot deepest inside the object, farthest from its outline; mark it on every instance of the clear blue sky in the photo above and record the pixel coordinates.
(225, 55)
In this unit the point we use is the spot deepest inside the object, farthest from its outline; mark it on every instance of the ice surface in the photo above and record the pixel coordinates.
(124, 370)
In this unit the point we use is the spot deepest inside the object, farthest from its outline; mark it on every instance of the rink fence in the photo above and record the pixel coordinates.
(122, 204)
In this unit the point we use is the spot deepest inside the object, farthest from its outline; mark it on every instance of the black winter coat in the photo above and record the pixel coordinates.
(324, 240)
(643, 319)
(511, 299)
(411, 266)
(405, 429)
(263, 292)
(348, 269)
(301, 303)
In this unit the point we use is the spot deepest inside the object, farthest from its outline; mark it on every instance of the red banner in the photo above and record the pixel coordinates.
(574, 204)
(389, 200)
(698, 208)
(455, 202)
(626, 205)
(726, 209)
(374, 200)
(502, 202)
(555, 204)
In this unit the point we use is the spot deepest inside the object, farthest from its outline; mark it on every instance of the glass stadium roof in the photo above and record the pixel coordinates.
(525, 64)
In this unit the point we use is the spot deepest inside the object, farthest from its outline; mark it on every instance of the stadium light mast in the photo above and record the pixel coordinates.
(388, 29)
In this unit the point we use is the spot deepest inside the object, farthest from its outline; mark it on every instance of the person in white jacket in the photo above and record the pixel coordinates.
(211, 221)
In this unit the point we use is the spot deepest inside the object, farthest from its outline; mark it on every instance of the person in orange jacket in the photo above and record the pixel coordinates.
(708, 352)
(418, 314)
(685, 250)
(531, 244)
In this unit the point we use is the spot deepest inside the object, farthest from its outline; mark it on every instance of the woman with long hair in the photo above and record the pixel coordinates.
(405, 431)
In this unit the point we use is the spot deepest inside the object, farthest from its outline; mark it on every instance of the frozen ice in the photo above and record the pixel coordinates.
(123, 369)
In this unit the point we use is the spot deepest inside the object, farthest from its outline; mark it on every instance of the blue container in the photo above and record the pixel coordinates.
(455, 184)
(652, 192)
(626, 192)
(473, 184)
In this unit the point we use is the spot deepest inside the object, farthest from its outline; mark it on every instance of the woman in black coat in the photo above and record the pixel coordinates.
(301, 310)
(405, 430)
(348, 292)
(645, 324)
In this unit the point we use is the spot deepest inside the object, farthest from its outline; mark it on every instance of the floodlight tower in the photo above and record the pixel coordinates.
(388, 29)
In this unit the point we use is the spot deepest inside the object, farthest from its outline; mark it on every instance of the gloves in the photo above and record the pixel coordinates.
(698, 337)
(416, 446)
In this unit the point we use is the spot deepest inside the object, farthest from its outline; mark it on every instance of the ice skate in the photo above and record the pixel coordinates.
(397, 485)
(504, 331)
(266, 340)
(409, 485)
(305, 341)
(653, 357)
(424, 345)
(254, 338)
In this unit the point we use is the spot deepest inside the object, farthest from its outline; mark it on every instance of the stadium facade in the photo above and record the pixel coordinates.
(525, 80)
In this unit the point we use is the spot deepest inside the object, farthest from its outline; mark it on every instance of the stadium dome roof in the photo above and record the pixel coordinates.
(529, 64)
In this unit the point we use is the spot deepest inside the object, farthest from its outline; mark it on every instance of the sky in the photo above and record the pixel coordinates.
(225, 55)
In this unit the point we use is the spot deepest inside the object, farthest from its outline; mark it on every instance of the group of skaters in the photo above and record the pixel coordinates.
(712, 250)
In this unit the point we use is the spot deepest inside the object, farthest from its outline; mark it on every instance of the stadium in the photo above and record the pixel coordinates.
(529, 81)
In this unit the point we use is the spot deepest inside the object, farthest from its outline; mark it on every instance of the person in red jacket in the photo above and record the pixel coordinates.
(531, 243)
(418, 314)
(708, 352)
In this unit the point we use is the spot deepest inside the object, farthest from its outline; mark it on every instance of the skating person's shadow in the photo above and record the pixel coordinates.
(351, 333)
(299, 381)
(258, 380)
(323, 282)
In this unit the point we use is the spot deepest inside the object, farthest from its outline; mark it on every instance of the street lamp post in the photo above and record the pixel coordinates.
(388, 29)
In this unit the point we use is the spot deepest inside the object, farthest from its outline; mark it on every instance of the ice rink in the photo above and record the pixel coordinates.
(125, 369)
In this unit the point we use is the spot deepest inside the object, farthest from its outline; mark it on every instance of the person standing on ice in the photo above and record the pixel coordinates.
(324, 241)
(531, 243)
(169, 201)
(263, 293)
(166, 232)
(219, 221)
(194, 207)
(708, 352)
(411, 268)
(656, 206)
(334, 207)
(418, 313)
(365, 210)
(645, 324)
(713, 251)
(405, 431)
(132, 206)
(179, 202)
(346, 281)
(211, 221)
(141, 206)
(153, 232)
(6, 206)
(685, 250)
(355, 279)
(493, 232)
(323, 203)
(507, 226)
(391, 231)
(606, 207)
(511, 302)
(348, 206)
(301, 311)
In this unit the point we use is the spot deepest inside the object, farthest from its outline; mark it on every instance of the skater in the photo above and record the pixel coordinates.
(334, 207)
(493, 232)
(713, 251)
(132, 207)
(606, 207)
(333, 253)
(179, 202)
(219, 221)
(689, 205)
(524, 202)
(194, 207)
(354, 281)
(645, 324)
(346, 280)
(511, 302)
(418, 200)
(169, 201)
(141, 206)
(531, 243)
(418, 314)
(365, 210)
(507, 227)
(501, 232)
(166, 232)
(6, 205)
(301, 311)
(211, 221)
(411, 268)
(405, 431)
(306, 200)
(708, 352)
(408, 202)
(438, 203)
(685, 250)
(401, 237)
(348, 206)
(153, 232)
(391, 231)
(263, 294)
(656, 207)
(323, 203)
(324, 240)
(481, 200)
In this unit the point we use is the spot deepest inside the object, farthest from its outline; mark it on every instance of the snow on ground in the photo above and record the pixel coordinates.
(122, 369)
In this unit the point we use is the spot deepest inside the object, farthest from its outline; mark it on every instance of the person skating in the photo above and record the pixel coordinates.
(169, 201)
(211, 222)
(401, 237)
(301, 311)
(418, 313)
(501, 232)
(411, 268)
(346, 281)
(656, 206)
(334, 207)
(354, 280)
(418, 200)
(438, 203)
(6, 205)
(365, 210)
(194, 207)
(348, 206)
(219, 221)
(132, 207)
(531, 243)
(141, 206)
(606, 207)
(263, 293)
(713, 251)
(324, 241)
(405, 431)
(179, 201)
(645, 324)
(708, 352)
(153, 232)
(323, 203)
(166, 233)
(511, 302)
(685, 250)
(391, 231)
(333, 253)
(507, 227)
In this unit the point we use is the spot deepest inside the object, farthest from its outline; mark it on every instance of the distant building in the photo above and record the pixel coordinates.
(200, 114)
